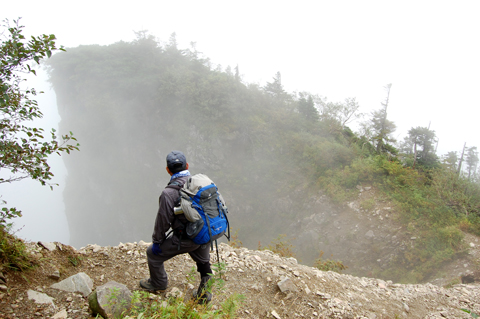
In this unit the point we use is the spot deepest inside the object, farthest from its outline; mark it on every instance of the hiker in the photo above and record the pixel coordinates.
(164, 247)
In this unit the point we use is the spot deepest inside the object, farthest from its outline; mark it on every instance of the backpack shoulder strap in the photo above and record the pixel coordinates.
(175, 185)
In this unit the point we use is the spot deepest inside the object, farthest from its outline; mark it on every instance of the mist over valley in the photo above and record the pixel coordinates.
(294, 175)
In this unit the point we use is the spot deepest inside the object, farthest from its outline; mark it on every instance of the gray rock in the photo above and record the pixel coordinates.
(323, 295)
(382, 284)
(275, 314)
(256, 287)
(80, 282)
(143, 244)
(60, 315)
(110, 300)
(3, 288)
(174, 293)
(95, 248)
(39, 297)
(287, 285)
(370, 234)
(49, 246)
(55, 275)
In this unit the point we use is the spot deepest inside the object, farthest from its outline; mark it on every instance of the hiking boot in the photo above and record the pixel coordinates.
(202, 295)
(204, 298)
(147, 285)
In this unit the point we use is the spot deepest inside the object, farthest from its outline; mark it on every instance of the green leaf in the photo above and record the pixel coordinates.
(24, 149)
(474, 315)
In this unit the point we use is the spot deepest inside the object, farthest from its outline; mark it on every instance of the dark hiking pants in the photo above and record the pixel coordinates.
(170, 249)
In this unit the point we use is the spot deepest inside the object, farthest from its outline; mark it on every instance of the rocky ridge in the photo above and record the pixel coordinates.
(273, 286)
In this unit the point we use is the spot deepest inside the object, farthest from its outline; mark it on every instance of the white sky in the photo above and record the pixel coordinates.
(428, 50)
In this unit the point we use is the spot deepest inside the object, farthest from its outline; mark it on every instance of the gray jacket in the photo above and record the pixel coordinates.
(165, 216)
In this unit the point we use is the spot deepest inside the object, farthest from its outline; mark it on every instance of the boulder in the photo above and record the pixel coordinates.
(110, 300)
(80, 282)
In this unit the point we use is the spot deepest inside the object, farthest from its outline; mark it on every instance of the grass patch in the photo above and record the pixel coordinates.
(13, 252)
(74, 260)
(146, 305)
(368, 204)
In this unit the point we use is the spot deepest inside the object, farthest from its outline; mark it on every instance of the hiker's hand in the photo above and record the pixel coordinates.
(156, 250)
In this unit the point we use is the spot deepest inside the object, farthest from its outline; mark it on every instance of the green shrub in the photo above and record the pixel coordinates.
(280, 245)
(235, 242)
(329, 265)
(339, 184)
(471, 224)
(146, 307)
(368, 204)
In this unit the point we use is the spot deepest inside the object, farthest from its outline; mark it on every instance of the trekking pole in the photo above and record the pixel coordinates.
(218, 259)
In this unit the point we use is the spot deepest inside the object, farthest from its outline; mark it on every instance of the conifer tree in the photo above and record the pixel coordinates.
(382, 127)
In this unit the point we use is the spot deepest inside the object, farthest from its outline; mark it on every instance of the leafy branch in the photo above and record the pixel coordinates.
(24, 149)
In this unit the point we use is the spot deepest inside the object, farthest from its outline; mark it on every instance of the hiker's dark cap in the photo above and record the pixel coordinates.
(176, 161)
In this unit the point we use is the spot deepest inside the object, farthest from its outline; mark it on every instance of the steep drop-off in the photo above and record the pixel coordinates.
(129, 104)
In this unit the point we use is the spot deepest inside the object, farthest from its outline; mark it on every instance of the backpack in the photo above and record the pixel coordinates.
(205, 210)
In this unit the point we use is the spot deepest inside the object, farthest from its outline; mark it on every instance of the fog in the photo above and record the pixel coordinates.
(427, 50)
(43, 209)
(338, 50)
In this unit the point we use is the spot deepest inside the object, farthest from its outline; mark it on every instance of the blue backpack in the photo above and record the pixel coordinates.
(205, 210)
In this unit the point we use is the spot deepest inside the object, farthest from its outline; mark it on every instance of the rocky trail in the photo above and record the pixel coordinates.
(273, 286)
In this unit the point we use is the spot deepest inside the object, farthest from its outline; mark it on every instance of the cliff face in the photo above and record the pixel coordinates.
(273, 286)
(129, 104)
